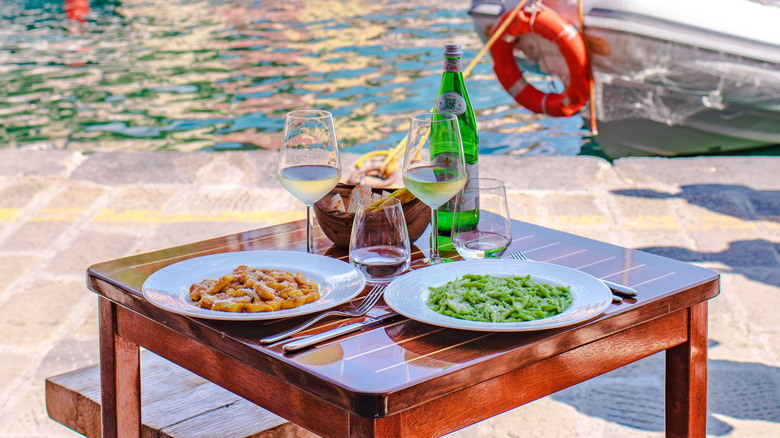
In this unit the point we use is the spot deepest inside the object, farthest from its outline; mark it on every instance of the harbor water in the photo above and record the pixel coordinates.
(200, 75)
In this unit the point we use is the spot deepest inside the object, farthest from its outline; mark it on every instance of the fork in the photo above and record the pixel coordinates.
(368, 302)
(616, 288)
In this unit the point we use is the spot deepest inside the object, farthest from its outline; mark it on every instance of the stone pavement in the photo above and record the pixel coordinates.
(61, 211)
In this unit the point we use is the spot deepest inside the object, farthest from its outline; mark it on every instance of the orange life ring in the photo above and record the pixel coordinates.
(76, 10)
(551, 26)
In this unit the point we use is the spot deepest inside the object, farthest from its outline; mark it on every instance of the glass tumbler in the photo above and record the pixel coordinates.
(379, 244)
(491, 234)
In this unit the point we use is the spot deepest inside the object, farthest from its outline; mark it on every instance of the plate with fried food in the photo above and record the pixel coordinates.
(253, 285)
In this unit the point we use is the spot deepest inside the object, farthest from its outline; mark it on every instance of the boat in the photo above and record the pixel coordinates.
(670, 78)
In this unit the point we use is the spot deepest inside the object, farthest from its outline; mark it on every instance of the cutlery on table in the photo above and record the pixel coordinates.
(368, 302)
(618, 290)
(333, 333)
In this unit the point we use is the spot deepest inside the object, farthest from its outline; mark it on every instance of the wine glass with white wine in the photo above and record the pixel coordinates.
(309, 161)
(434, 168)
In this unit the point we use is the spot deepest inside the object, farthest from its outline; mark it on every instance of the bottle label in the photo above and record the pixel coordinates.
(444, 159)
(453, 66)
(451, 102)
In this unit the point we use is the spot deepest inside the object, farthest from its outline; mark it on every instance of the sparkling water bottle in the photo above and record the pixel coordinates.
(453, 98)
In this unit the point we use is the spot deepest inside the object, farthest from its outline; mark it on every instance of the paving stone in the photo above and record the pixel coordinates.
(750, 296)
(146, 197)
(721, 213)
(723, 203)
(33, 314)
(674, 244)
(114, 168)
(766, 205)
(88, 329)
(173, 234)
(38, 163)
(523, 206)
(634, 397)
(560, 174)
(25, 415)
(233, 199)
(87, 248)
(236, 169)
(13, 266)
(739, 329)
(575, 205)
(67, 354)
(36, 235)
(753, 172)
(642, 211)
(75, 197)
(751, 252)
(20, 193)
(22, 362)
(607, 235)
(544, 419)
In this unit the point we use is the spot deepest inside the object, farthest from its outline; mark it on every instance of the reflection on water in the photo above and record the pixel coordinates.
(213, 75)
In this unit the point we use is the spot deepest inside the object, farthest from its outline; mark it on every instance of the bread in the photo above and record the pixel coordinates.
(361, 191)
(337, 203)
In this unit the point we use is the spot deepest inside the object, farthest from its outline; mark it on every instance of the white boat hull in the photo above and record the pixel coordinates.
(669, 82)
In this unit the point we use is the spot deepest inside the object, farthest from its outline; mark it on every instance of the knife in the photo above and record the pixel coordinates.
(338, 331)
(620, 289)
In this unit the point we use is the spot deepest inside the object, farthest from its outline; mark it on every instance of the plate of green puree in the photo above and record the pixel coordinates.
(498, 295)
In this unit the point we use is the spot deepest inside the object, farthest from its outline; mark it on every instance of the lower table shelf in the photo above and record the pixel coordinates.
(175, 403)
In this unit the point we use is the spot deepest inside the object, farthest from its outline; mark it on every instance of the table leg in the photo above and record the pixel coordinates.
(120, 377)
(686, 379)
(375, 427)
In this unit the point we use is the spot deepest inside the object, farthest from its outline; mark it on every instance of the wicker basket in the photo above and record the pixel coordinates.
(337, 225)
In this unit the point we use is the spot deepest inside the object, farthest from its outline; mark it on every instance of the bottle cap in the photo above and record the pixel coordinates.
(452, 50)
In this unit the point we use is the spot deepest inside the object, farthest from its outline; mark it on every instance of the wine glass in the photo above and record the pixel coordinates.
(309, 162)
(491, 233)
(434, 168)
(379, 244)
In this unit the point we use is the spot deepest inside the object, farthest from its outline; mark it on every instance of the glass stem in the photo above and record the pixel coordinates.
(309, 243)
(434, 236)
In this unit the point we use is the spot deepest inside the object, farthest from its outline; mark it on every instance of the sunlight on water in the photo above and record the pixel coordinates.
(209, 75)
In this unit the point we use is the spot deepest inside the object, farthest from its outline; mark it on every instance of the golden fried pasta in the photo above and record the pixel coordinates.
(254, 290)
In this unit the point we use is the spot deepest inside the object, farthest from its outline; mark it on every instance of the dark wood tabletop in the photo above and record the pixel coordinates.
(403, 377)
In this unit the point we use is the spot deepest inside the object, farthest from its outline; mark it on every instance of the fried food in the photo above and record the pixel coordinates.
(248, 289)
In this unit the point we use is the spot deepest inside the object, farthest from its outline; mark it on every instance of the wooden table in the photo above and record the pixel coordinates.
(406, 378)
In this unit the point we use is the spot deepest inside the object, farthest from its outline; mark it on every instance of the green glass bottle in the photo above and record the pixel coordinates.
(453, 98)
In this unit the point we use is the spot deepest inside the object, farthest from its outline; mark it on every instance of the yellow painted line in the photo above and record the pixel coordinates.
(9, 214)
(647, 222)
(641, 222)
(725, 223)
(654, 223)
(57, 215)
(581, 221)
(148, 216)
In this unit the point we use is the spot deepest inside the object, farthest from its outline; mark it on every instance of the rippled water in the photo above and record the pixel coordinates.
(209, 75)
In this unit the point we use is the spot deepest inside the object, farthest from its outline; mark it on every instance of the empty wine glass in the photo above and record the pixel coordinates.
(434, 168)
(491, 233)
(309, 162)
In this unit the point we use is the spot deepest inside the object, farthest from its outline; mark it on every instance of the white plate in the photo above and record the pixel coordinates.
(169, 287)
(408, 294)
